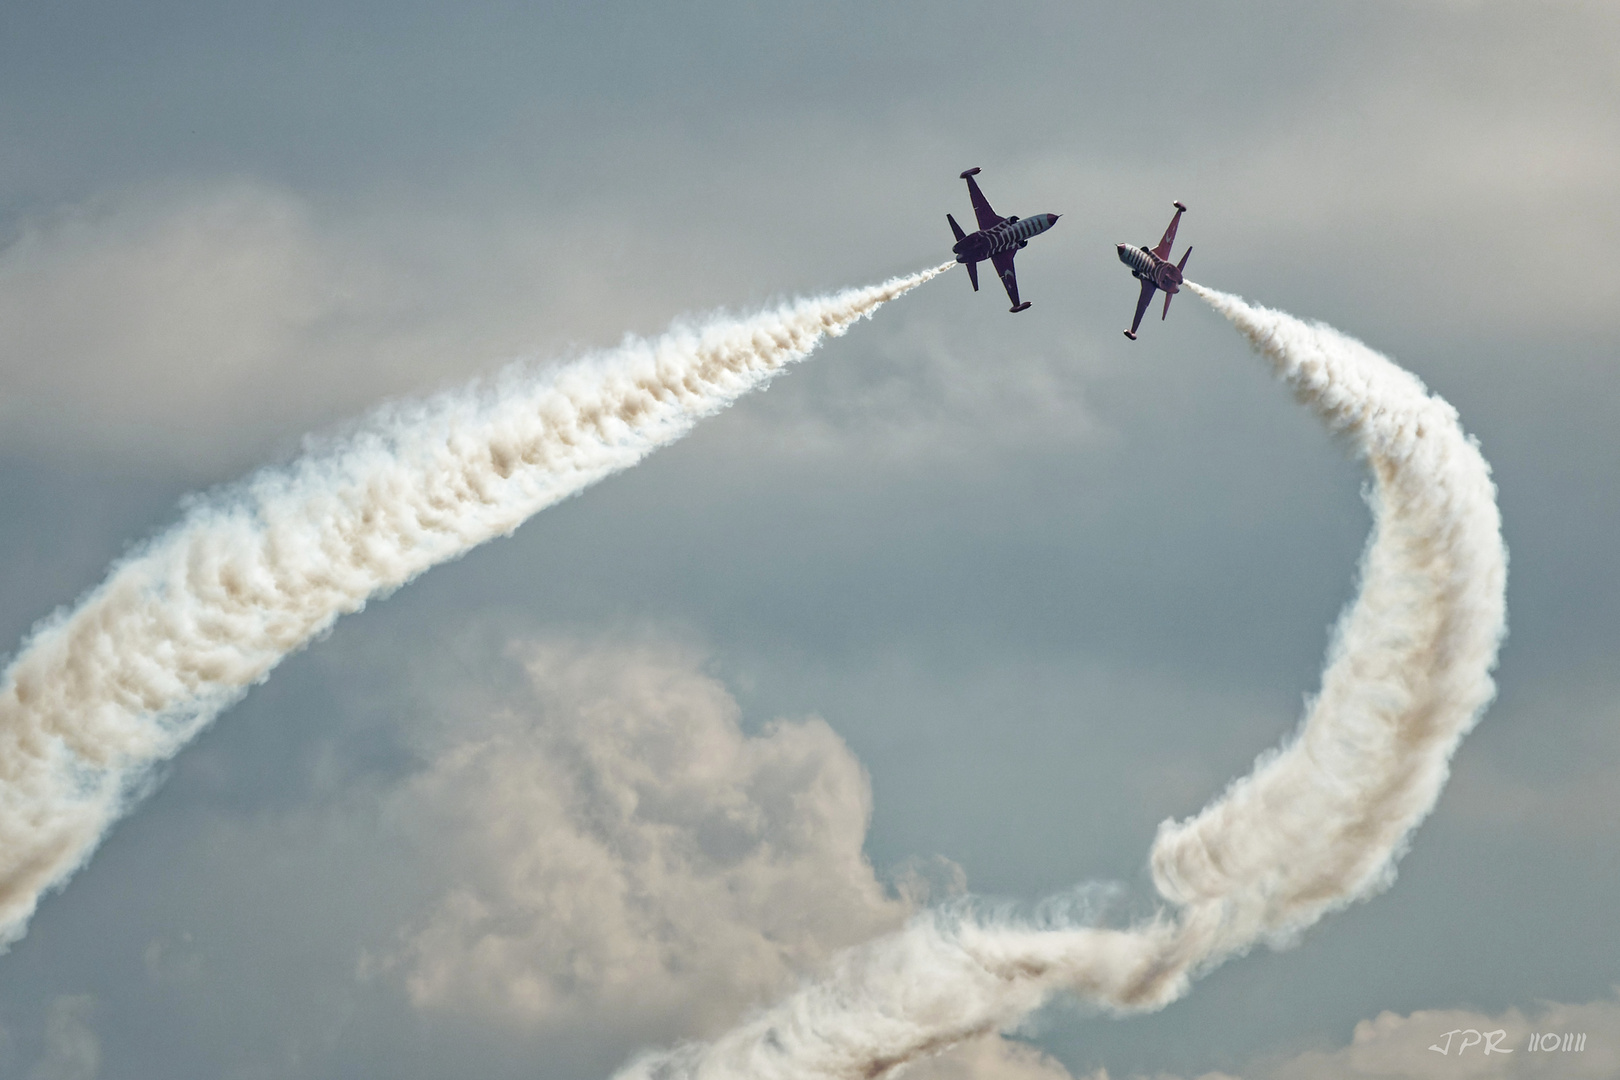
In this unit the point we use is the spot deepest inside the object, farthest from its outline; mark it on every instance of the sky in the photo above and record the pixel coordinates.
(965, 601)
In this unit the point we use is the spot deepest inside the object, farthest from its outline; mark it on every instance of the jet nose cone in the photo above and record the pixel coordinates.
(1054, 217)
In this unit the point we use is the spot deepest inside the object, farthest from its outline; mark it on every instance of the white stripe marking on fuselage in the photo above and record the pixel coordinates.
(1005, 236)
(1139, 259)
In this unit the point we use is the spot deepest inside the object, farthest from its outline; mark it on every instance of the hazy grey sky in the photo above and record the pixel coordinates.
(1016, 587)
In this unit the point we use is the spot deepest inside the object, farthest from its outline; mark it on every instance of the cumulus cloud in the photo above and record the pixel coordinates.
(992, 1058)
(1430, 1044)
(1476, 134)
(998, 1058)
(615, 840)
(1444, 1043)
(125, 319)
(72, 1050)
(920, 395)
(220, 316)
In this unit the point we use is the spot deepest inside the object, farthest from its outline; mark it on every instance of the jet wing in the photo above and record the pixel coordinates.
(1148, 289)
(988, 218)
(1163, 250)
(1003, 261)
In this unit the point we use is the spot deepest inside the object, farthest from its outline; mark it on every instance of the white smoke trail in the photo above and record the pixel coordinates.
(1318, 824)
(101, 693)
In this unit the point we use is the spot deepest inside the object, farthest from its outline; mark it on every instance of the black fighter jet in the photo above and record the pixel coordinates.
(998, 240)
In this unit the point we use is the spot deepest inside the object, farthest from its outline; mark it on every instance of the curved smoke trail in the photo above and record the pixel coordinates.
(1318, 824)
(101, 693)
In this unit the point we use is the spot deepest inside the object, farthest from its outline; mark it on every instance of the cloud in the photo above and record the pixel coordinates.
(131, 321)
(922, 396)
(172, 962)
(72, 1051)
(1388, 1047)
(998, 1058)
(992, 1058)
(615, 841)
(1444, 1043)
(220, 316)
(1446, 135)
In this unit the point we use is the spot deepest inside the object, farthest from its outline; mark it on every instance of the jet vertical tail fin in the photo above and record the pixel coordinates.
(1182, 265)
(973, 274)
(955, 228)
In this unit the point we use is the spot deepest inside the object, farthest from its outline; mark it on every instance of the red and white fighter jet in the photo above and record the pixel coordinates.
(1153, 268)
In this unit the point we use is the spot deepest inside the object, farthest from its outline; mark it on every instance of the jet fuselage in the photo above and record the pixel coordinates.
(1012, 233)
(1146, 266)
